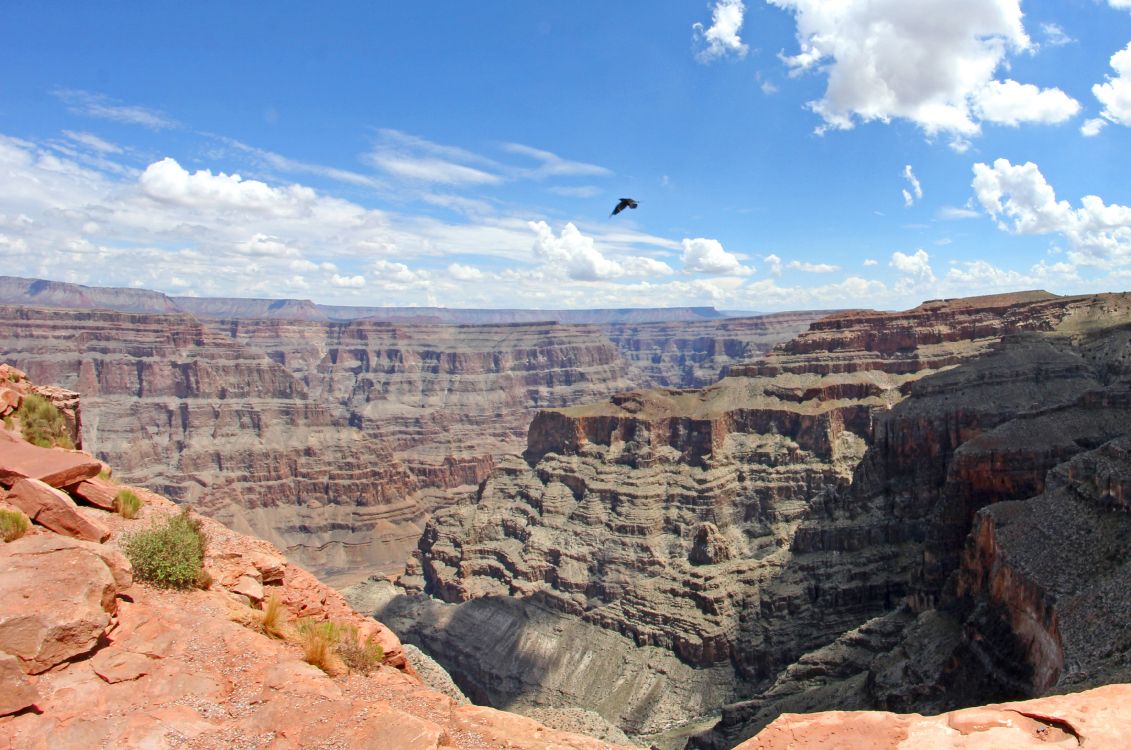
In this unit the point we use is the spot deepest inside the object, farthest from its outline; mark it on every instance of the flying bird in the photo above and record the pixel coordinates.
(624, 203)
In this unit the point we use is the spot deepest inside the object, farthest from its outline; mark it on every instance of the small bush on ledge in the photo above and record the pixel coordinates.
(170, 554)
(42, 424)
(13, 524)
(127, 503)
(324, 643)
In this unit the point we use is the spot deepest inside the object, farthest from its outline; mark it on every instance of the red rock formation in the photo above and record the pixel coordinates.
(1096, 718)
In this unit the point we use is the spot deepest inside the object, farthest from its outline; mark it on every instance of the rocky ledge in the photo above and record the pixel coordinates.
(91, 657)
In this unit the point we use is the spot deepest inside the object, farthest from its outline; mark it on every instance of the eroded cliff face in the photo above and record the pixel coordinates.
(811, 506)
(334, 440)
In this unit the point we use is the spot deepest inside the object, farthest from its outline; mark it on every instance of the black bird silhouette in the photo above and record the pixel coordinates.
(624, 203)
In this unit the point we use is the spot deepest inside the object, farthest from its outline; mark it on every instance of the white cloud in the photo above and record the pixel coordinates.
(464, 273)
(1092, 126)
(953, 213)
(773, 264)
(916, 192)
(168, 182)
(1021, 200)
(577, 191)
(398, 273)
(813, 267)
(1055, 36)
(1011, 103)
(105, 108)
(722, 37)
(554, 165)
(266, 246)
(914, 269)
(932, 62)
(702, 255)
(420, 160)
(1115, 94)
(576, 255)
(869, 262)
(90, 140)
(350, 282)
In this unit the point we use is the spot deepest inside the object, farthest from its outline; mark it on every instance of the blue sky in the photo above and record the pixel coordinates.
(785, 153)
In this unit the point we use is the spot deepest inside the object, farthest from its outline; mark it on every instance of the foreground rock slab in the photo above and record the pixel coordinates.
(56, 467)
(57, 600)
(55, 510)
(1098, 718)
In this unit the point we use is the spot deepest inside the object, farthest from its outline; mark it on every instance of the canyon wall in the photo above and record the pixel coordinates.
(334, 440)
(791, 535)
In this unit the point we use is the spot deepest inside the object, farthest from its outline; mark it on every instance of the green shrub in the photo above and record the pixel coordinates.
(42, 424)
(127, 503)
(170, 554)
(13, 524)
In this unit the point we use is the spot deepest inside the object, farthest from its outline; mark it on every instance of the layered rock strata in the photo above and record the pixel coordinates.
(335, 440)
(740, 527)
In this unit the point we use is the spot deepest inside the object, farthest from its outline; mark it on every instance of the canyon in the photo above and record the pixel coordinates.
(678, 529)
(911, 511)
(328, 432)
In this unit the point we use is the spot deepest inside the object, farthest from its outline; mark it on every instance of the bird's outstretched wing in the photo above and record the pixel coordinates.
(622, 205)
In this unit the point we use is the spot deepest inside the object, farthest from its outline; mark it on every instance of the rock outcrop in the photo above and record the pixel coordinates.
(840, 474)
(91, 658)
(1096, 718)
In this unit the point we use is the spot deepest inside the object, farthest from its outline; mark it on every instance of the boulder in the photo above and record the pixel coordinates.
(57, 600)
(10, 400)
(249, 587)
(58, 468)
(55, 510)
(95, 491)
(16, 693)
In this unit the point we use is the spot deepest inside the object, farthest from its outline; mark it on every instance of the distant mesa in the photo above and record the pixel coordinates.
(59, 294)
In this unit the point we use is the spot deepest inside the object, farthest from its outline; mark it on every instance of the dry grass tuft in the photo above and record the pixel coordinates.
(359, 655)
(13, 524)
(318, 641)
(127, 503)
(273, 618)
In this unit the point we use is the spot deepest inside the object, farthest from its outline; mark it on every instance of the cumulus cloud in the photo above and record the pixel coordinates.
(1092, 126)
(915, 270)
(701, 255)
(1011, 103)
(721, 38)
(773, 264)
(1115, 93)
(869, 262)
(168, 182)
(577, 256)
(1021, 200)
(813, 267)
(350, 282)
(932, 62)
(464, 273)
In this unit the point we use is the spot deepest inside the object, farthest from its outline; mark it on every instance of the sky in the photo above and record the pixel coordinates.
(785, 154)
